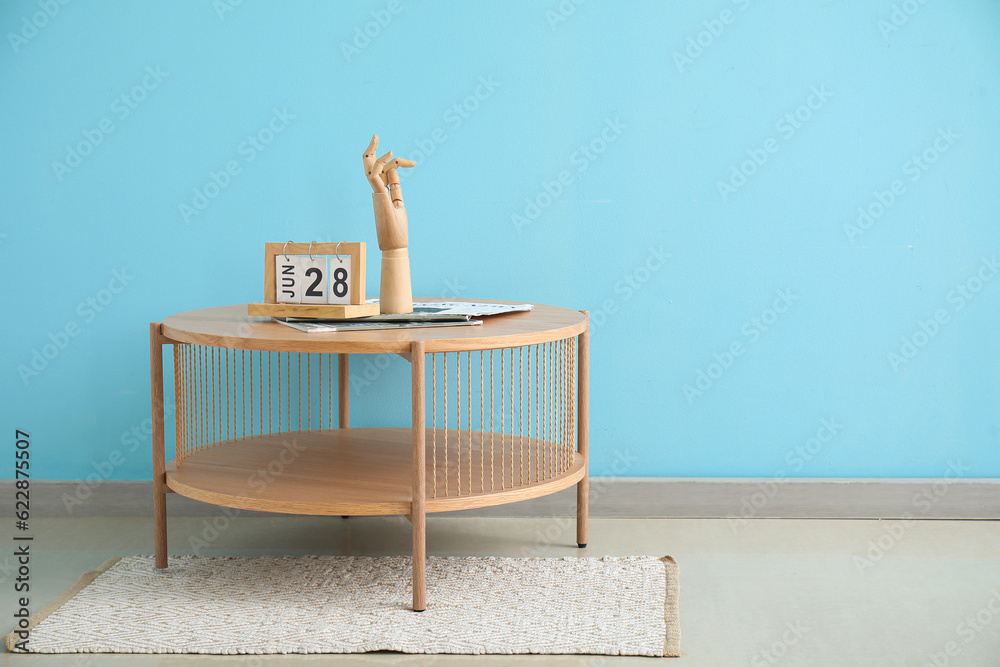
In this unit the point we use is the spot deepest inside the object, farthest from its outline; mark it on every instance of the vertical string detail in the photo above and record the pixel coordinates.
(503, 418)
(270, 396)
(434, 417)
(468, 407)
(520, 413)
(251, 393)
(445, 392)
(492, 487)
(458, 422)
(482, 434)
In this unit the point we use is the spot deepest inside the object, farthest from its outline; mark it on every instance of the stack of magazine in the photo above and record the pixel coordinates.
(425, 314)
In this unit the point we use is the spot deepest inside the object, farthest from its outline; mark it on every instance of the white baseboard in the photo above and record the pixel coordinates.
(622, 497)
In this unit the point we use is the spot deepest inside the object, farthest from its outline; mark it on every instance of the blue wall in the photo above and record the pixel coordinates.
(783, 216)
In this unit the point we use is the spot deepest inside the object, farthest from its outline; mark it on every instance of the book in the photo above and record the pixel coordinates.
(313, 326)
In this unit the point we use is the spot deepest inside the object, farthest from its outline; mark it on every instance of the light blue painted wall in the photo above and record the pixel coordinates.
(888, 91)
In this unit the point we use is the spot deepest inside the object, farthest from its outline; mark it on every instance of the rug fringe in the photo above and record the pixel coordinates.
(671, 609)
(11, 639)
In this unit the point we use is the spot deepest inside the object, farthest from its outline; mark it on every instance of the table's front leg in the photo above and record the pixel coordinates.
(418, 513)
(583, 436)
(156, 341)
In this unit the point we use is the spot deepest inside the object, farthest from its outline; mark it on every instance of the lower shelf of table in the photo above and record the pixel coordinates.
(364, 471)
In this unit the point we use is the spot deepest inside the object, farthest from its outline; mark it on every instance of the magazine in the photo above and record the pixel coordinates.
(470, 308)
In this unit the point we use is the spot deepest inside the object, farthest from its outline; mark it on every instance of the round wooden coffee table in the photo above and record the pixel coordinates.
(499, 415)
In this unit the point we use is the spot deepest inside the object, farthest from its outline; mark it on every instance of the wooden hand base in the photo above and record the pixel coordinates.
(395, 293)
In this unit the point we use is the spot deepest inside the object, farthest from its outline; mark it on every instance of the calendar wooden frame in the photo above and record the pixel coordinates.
(355, 251)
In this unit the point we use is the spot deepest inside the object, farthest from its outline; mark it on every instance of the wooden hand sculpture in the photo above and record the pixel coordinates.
(395, 293)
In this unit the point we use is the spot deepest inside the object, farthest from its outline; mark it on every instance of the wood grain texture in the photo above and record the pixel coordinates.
(583, 435)
(390, 223)
(159, 472)
(229, 326)
(357, 471)
(418, 512)
(318, 310)
(395, 293)
(344, 390)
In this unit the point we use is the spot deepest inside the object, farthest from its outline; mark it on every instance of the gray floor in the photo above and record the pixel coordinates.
(770, 592)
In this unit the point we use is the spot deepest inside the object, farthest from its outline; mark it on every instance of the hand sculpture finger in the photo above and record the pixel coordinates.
(375, 175)
(382, 173)
(369, 154)
(395, 190)
(379, 165)
(399, 162)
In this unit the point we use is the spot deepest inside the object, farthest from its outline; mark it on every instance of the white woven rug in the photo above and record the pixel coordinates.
(334, 604)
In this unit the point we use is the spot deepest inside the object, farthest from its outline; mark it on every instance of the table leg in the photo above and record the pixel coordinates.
(344, 390)
(583, 436)
(343, 393)
(418, 506)
(159, 466)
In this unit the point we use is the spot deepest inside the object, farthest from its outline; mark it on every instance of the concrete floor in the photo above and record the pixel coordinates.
(770, 592)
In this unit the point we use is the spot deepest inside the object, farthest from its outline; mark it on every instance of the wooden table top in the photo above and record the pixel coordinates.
(231, 327)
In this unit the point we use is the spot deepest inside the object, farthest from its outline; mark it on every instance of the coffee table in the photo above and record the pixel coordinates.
(499, 414)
